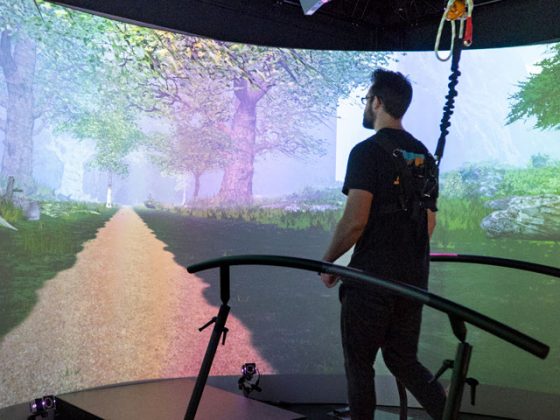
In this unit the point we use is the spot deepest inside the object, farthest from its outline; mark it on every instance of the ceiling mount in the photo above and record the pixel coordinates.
(311, 6)
(375, 25)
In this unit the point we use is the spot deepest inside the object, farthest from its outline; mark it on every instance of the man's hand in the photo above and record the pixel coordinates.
(330, 280)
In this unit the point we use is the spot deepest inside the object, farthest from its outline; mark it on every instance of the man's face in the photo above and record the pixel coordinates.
(369, 113)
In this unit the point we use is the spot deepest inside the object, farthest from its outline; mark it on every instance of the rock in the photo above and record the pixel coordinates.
(532, 218)
(33, 211)
(30, 208)
(500, 204)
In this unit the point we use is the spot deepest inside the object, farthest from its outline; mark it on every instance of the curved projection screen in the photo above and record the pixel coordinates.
(137, 152)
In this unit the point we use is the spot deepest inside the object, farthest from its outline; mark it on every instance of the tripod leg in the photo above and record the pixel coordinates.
(460, 368)
(219, 328)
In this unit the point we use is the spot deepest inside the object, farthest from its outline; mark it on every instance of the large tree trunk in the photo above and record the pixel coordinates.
(237, 183)
(17, 59)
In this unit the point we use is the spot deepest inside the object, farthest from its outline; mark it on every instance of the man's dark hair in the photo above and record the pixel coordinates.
(393, 89)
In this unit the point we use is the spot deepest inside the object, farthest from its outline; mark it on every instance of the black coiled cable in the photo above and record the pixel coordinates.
(450, 102)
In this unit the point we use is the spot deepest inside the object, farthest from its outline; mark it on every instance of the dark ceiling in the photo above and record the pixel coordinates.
(341, 24)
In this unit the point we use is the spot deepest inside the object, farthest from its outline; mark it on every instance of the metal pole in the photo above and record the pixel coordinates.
(219, 327)
(460, 368)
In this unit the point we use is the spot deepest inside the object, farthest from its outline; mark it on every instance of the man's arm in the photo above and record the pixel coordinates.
(431, 222)
(349, 229)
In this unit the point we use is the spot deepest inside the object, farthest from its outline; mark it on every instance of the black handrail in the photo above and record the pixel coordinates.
(352, 275)
(500, 262)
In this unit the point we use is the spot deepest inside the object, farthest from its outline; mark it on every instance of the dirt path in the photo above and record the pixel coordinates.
(125, 311)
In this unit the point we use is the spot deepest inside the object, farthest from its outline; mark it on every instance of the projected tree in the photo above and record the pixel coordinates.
(115, 134)
(54, 61)
(301, 90)
(539, 95)
(191, 150)
(197, 141)
(18, 62)
(32, 61)
(59, 64)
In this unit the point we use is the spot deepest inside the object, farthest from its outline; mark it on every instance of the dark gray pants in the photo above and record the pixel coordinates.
(373, 321)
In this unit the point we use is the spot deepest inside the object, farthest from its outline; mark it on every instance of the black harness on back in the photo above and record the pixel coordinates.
(415, 180)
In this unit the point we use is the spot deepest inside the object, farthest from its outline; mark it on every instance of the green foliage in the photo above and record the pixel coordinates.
(458, 221)
(9, 212)
(314, 196)
(541, 160)
(472, 181)
(539, 95)
(531, 181)
(115, 132)
(68, 209)
(79, 56)
(311, 208)
(295, 219)
(486, 181)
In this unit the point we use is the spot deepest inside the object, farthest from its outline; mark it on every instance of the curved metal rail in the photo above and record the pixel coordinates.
(352, 275)
(500, 262)
(458, 314)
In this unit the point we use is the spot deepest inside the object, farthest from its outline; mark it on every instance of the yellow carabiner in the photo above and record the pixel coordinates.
(457, 11)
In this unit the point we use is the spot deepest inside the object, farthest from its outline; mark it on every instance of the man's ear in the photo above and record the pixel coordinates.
(377, 103)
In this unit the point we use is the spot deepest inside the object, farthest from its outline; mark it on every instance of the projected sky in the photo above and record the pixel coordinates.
(127, 154)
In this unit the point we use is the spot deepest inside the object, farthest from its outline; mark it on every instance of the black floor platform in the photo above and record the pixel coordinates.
(161, 400)
(168, 399)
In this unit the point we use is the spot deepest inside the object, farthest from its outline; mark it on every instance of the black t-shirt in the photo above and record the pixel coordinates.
(393, 245)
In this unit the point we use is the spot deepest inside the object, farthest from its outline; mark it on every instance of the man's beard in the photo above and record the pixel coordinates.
(369, 120)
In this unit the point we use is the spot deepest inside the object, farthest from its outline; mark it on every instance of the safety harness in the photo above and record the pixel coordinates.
(456, 10)
(415, 180)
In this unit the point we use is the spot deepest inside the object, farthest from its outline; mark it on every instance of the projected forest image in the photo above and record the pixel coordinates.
(129, 153)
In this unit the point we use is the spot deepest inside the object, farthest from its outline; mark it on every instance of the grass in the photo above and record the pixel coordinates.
(9, 212)
(299, 219)
(36, 253)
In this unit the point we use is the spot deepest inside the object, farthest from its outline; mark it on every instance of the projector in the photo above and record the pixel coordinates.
(310, 6)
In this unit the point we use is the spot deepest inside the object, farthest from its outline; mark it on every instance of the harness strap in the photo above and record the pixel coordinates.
(391, 147)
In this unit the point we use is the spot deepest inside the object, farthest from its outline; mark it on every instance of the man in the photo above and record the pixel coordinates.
(390, 244)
